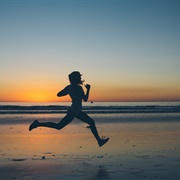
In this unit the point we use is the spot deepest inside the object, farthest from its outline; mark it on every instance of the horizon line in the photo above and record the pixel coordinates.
(87, 101)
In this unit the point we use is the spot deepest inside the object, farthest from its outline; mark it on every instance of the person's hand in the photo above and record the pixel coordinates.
(87, 86)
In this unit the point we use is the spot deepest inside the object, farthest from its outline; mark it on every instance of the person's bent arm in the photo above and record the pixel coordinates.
(86, 96)
(62, 92)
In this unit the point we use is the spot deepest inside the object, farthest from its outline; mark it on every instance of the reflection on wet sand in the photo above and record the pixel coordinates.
(102, 173)
(135, 150)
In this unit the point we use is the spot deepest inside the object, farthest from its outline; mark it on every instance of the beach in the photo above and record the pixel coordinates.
(141, 146)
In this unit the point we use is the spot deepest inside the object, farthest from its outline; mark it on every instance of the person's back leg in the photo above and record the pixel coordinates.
(85, 118)
(65, 121)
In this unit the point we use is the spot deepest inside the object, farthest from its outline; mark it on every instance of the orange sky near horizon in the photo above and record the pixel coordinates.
(97, 94)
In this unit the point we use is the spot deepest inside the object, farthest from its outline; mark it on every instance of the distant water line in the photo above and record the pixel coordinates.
(91, 108)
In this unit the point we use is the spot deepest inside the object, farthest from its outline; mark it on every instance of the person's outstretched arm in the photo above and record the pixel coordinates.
(86, 96)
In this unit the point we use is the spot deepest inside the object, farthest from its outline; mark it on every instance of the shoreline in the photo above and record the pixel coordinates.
(91, 108)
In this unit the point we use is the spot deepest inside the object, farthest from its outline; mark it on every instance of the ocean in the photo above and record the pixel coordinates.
(102, 112)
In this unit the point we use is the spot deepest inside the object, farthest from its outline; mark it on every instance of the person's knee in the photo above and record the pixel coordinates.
(59, 126)
(92, 123)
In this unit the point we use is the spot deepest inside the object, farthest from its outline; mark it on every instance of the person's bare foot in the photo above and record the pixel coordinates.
(103, 141)
(33, 125)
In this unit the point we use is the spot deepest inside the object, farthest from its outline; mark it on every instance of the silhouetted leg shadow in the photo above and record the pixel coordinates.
(85, 118)
(67, 119)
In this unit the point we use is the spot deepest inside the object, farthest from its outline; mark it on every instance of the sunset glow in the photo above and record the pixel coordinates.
(34, 95)
(126, 50)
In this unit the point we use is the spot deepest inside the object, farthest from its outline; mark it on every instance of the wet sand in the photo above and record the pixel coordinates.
(134, 151)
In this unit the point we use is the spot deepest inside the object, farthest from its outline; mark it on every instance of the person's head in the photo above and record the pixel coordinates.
(75, 78)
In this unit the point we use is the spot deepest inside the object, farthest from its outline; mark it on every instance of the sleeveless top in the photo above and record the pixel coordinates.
(76, 93)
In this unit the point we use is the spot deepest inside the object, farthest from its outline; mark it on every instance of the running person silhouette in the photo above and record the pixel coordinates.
(77, 94)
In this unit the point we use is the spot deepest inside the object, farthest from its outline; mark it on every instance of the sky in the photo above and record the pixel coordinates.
(127, 50)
